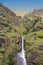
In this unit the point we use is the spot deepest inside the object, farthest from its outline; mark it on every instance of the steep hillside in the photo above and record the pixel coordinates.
(33, 26)
(7, 14)
(38, 12)
(32, 23)
(9, 23)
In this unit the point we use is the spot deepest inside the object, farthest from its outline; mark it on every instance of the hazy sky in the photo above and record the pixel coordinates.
(22, 6)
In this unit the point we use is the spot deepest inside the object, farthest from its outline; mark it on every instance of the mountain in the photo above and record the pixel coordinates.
(12, 27)
(8, 20)
(38, 12)
(32, 22)
(33, 32)
(7, 14)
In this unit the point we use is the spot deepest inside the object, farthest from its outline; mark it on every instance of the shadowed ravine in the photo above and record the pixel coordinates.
(21, 60)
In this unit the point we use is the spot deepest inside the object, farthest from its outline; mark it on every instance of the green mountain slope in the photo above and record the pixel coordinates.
(31, 21)
(34, 38)
(12, 27)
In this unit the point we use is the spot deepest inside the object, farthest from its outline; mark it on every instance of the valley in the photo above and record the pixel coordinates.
(12, 27)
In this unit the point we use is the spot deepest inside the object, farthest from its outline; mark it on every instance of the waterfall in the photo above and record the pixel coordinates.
(23, 52)
(21, 56)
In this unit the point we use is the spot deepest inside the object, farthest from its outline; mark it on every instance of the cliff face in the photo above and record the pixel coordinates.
(12, 27)
(38, 12)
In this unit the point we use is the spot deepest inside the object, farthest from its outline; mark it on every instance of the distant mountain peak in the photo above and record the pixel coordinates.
(38, 12)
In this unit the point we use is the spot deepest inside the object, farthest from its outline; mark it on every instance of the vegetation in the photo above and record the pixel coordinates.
(11, 30)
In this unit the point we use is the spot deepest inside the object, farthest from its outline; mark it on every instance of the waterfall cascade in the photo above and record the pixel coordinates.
(21, 55)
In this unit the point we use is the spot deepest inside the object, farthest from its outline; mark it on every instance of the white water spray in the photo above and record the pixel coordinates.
(21, 55)
(23, 52)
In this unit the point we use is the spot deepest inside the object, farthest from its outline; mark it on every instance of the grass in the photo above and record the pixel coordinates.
(32, 39)
(1, 58)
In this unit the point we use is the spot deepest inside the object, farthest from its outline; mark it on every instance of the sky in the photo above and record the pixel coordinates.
(20, 7)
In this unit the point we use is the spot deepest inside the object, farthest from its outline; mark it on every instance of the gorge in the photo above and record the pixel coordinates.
(12, 27)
